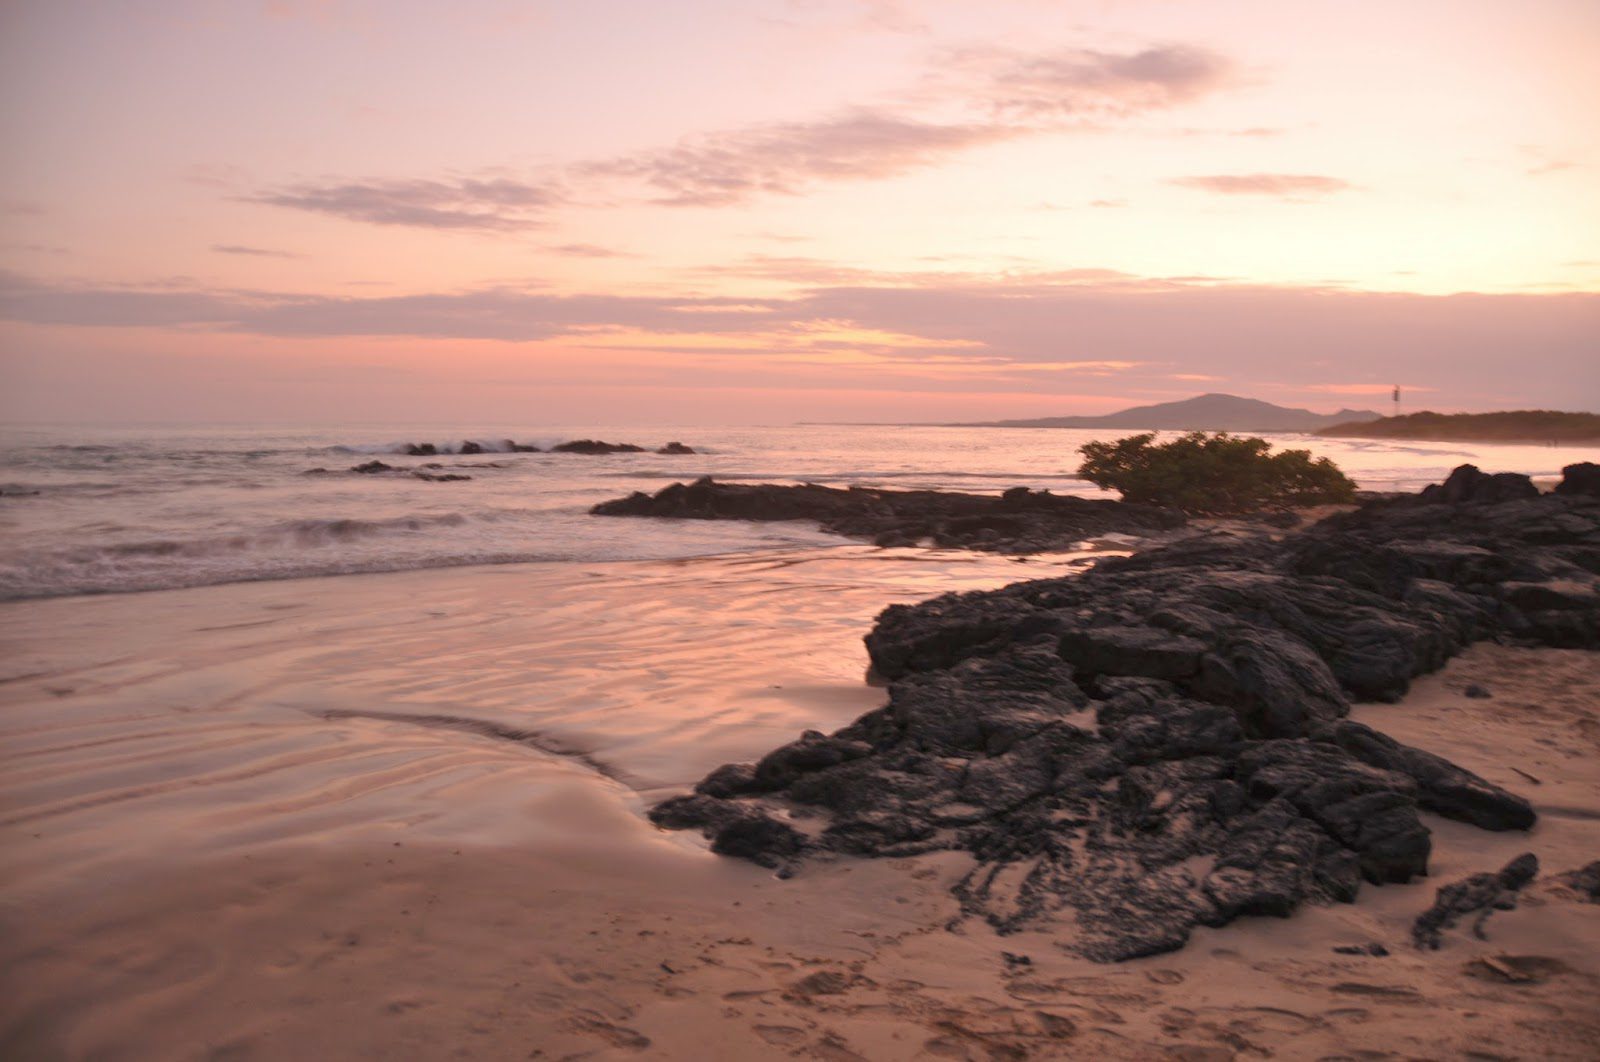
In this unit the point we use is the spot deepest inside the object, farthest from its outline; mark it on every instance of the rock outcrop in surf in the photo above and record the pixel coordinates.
(1018, 521)
(1162, 742)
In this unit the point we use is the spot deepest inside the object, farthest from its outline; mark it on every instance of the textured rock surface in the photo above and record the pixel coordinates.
(1019, 521)
(1585, 881)
(1161, 742)
(1582, 478)
(1479, 895)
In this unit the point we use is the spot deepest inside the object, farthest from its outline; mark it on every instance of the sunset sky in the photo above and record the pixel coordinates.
(766, 210)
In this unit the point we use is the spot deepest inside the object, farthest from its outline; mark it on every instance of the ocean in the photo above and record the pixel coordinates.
(358, 802)
(111, 509)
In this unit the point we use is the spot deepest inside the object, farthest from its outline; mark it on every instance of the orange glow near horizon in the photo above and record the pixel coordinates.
(1000, 209)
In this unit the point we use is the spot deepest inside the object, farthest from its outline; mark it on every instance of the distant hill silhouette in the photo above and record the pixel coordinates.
(1213, 412)
(1522, 425)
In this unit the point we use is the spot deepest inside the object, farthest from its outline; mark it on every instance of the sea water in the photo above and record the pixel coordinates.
(110, 509)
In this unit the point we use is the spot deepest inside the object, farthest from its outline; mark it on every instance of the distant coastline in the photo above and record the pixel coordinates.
(1232, 413)
(1208, 412)
(1540, 426)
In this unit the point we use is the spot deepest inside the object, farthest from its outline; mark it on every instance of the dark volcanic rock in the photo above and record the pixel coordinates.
(1442, 787)
(470, 447)
(1019, 521)
(421, 449)
(372, 467)
(1468, 484)
(594, 446)
(1585, 881)
(1374, 949)
(1161, 743)
(1581, 478)
(440, 477)
(675, 448)
(1481, 895)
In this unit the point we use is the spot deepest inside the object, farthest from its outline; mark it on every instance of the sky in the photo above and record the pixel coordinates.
(759, 211)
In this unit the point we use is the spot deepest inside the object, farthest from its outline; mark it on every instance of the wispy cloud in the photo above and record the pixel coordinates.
(252, 252)
(1258, 132)
(1553, 166)
(1082, 324)
(718, 169)
(980, 97)
(1080, 83)
(1280, 185)
(1539, 162)
(891, 16)
(998, 96)
(496, 204)
(586, 250)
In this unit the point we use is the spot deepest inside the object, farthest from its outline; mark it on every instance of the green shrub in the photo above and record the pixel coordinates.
(1213, 474)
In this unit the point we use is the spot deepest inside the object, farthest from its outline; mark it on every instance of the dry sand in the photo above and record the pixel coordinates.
(207, 854)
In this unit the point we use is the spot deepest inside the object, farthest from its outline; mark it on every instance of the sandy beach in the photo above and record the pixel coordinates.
(832, 530)
(404, 819)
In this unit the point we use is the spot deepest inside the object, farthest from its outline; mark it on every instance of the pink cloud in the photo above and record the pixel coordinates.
(1268, 184)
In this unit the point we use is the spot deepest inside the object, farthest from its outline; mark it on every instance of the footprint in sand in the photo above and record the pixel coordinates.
(824, 983)
(1394, 993)
(616, 1035)
(833, 1048)
(781, 1035)
(945, 1047)
(1272, 1019)
(401, 1006)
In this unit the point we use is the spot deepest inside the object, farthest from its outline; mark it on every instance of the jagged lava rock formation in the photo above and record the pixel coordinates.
(1018, 521)
(1162, 742)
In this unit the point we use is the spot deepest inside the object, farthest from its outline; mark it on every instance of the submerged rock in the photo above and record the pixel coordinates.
(595, 446)
(675, 448)
(372, 467)
(1162, 742)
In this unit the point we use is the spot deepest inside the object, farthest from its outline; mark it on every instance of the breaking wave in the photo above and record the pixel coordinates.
(318, 547)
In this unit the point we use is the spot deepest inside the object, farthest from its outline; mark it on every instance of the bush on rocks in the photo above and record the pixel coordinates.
(1213, 474)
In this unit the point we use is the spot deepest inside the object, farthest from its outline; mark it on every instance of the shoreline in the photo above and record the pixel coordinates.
(644, 665)
(354, 885)
(655, 949)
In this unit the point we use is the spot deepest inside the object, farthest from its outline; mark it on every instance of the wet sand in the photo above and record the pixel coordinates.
(399, 816)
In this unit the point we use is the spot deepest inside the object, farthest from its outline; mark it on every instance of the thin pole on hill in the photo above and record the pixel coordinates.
(1397, 400)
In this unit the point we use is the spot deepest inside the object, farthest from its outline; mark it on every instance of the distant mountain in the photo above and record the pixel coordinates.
(1522, 425)
(1212, 412)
